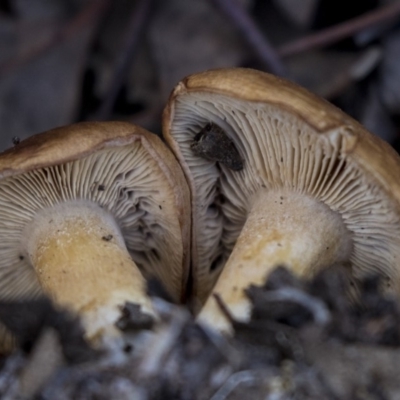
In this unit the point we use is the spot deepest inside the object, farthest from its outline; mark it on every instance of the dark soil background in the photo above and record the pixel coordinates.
(63, 61)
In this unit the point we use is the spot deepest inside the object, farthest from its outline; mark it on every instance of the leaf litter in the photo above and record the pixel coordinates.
(305, 340)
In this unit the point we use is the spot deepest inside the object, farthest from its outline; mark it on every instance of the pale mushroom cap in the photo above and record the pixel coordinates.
(292, 140)
(121, 168)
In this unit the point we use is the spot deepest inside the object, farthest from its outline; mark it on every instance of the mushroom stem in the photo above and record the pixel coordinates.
(82, 263)
(282, 228)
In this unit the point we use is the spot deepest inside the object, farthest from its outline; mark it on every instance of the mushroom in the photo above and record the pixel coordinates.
(87, 212)
(315, 189)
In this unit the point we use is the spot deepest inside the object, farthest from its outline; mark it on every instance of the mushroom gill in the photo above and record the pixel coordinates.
(297, 149)
(86, 213)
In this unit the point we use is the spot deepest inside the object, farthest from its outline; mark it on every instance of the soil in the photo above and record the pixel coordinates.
(305, 340)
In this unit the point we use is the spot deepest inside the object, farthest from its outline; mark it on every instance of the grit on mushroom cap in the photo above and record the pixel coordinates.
(123, 169)
(289, 140)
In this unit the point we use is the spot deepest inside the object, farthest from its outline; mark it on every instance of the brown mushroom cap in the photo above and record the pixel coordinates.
(118, 169)
(292, 144)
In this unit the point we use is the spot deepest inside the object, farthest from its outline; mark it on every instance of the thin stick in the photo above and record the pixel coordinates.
(341, 31)
(258, 42)
(315, 306)
(136, 25)
(86, 17)
(240, 378)
(224, 309)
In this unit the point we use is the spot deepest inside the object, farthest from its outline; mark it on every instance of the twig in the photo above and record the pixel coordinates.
(224, 309)
(341, 31)
(136, 24)
(239, 378)
(83, 19)
(315, 306)
(259, 43)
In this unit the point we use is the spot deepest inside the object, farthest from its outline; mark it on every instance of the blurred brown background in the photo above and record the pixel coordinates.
(63, 61)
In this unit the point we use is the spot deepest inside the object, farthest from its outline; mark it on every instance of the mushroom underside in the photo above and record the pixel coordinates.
(126, 182)
(280, 153)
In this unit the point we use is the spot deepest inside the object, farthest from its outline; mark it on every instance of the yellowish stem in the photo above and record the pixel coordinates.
(282, 228)
(82, 263)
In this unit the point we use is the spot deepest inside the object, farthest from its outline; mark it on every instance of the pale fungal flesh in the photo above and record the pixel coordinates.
(87, 232)
(303, 199)
(79, 256)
